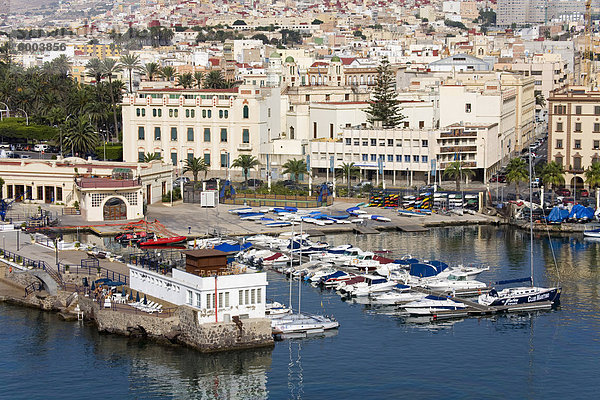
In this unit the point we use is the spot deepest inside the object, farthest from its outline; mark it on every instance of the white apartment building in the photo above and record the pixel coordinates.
(217, 125)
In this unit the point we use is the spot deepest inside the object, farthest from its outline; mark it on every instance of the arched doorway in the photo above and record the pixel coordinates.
(576, 183)
(115, 209)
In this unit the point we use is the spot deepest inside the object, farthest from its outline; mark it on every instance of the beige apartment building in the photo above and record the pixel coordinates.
(574, 131)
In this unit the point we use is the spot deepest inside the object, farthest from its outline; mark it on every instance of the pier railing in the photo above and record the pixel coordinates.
(93, 270)
(32, 264)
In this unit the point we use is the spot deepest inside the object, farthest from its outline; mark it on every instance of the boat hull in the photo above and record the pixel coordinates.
(552, 295)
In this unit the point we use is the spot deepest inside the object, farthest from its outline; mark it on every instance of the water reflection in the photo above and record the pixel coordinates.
(295, 371)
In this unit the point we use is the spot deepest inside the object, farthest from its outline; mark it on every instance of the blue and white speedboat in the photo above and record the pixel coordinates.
(432, 304)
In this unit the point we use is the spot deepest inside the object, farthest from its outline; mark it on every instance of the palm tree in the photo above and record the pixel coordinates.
(347, 171)
(295, 168)
(195, 165)
(168, 73)
(151, 70)
(214, 80)
(592, 175)
(455, 171)
(516, 171)
(1, 186)
(152, 157)
(131, 63)
(94, 69)
(245, 162)
(109, 68)
(186, 80)
(198, 79)
(553, 174)
(81, 136)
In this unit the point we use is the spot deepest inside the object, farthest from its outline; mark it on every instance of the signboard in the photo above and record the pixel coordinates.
(308, 162)
(433, 166)
(380, 165)
(331, 166)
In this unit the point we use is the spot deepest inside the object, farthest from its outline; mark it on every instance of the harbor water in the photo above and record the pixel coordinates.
(376, 354)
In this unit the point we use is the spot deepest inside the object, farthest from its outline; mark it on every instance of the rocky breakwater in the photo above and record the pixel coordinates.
(181, 328)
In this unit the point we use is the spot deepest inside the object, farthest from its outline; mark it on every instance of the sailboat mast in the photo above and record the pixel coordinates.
(531, 219)
(300, 263)
(291, 263)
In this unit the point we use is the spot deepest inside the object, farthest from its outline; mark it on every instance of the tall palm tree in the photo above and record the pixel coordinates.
(516, 171)
(214, 80)
(186, 80)
(245, 162)
(295, 167)
(151, 70)
(195, 165)
(81, 136)
(592, 175)
(553, 174)
(109, 68)
(94, 69)
(198, 79)
(347, 171)
(151, 157)
(168, 73)
(131, 63)
(455, 171)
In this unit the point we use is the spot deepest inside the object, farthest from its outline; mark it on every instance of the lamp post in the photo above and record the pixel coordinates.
(26, 116)
(61, 134)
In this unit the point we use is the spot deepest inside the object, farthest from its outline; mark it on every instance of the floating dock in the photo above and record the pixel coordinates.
(365, 230)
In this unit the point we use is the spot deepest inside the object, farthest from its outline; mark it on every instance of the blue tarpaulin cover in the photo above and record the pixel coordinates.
(423, 270)
(227, 248)
(558, 215)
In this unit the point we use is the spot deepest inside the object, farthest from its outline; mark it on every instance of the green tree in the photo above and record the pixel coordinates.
(455, 171)
(185, 80)
(94, 69)
(198, 79)
(1, 185)
(111, 67)
(246, 163)
(592, 175)
(81, 136)
(295, 168)
(516, 172)
(168, 73)
(151, 70)
(214, 80)
(195, 165)
(131, 63)
(347, 171)
(553, 174)
(384, 107)
(152, 157)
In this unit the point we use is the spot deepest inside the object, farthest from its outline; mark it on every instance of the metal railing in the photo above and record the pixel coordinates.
(33, 287)
(93, 270)
(34, 264)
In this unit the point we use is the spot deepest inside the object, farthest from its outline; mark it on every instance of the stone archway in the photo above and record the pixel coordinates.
(114, 209)
(576, 183)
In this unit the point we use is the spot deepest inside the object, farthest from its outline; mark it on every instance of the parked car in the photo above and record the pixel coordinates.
(562, 192)
(584, 193)
(254, 182)
(502, 178)
(41, 147)
(568, 200)
(178, 180)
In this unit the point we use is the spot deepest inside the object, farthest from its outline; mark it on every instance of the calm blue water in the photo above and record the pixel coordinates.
(375, 354)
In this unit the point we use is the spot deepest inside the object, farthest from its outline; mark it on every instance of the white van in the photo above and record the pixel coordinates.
(41, 147)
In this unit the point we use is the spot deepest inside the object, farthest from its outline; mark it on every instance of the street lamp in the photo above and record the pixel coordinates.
(61, 134)
(2, 111)
(26, 116)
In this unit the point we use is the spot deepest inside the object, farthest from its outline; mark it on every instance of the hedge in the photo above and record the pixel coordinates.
(114, 152)
(15, 128)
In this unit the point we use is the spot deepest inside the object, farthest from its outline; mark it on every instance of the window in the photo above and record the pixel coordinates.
(307, 97)
(192, 113)
(269, 112)
(373, 157)
(141, 133)
(190, 156)
(203, 113)
(246, 112)
(176, 113)
(356, 142)
(137, 112)
(253, 296)
(258, 296)
(373, 142)
(226, 304)
(596, 110)
(207, 158)
(210, 300)
(348, 141)
(577, 144)
(390, 157)
(576, 162)
(209, 113)
(190, 134)
(390, 142)
(596, 127)
(143, 112)
(327, 97)
(198, 302)
(558, 160)
(559, 143)
(190, 297)
(223, 135)
(406, 158)
(577, 126)
(224, 159)
(596, 144)
(421, 124)
(226, 114)
(245, 135)
(241, 297)
(154, 112)
(398, 158)
(160, 112)
(468, 107)
(207, 134)
(365, 142)
(398, 142)
(246, 296)
(140, 159)
(173, 133)
(559, 127)
(578, 110)
(292, 132)
(157, 133)
(187, 113)
(171, 112)
(365, 157)
(220, 113)
(220, 303)
(174, 158)
(415, 158)
(423, 159)
(346, 97)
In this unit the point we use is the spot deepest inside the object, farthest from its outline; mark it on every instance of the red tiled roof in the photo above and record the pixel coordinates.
(347, 60)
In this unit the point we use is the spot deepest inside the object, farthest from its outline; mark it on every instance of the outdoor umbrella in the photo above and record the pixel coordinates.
(124, 293)
(145, 300)
(131, 295)
(137, 297)
(93, 286)
(85, 282)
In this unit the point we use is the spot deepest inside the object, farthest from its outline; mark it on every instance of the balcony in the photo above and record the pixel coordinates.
(458, 149)
(465, 164)
(458, 134)
(106, 183)
(244, 147)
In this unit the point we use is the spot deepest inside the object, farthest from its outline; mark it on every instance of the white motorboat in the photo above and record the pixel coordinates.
(276, 310)
(317, 275)
(452, 282)
(303, 323)
(396, 297)
(371, 284)
(432, 304)
(467, 271)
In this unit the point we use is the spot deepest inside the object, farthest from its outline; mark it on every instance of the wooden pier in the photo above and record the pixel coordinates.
(411, 228)
(365, 230)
